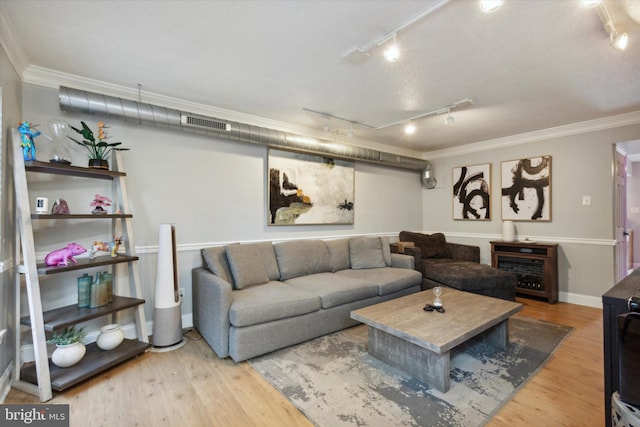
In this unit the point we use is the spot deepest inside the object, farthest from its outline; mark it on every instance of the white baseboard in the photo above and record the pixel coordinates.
(5, 382)
(587, 300)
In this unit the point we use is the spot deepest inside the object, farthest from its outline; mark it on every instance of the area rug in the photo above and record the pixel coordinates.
(335, 382)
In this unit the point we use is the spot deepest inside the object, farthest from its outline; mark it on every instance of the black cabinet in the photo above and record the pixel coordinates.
(614, 302)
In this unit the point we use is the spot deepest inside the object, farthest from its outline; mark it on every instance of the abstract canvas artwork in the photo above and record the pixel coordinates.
(526, 189)
(472, 192)
(306, 189)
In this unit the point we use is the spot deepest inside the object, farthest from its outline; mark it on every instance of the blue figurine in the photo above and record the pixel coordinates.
(27, 144)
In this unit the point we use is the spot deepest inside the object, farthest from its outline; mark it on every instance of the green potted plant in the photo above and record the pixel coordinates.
(99, 149)
(69, 346)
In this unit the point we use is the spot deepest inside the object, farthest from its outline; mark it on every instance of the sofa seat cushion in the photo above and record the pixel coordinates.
(268, 302)
(387, 279)
(470, 276)
(335, 289)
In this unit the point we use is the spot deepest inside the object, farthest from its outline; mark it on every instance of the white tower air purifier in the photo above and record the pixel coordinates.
(167, 316)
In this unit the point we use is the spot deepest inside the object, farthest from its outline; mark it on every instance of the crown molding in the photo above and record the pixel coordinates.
(46, 77)
(54, 79)
(604, 123)
(11, 43)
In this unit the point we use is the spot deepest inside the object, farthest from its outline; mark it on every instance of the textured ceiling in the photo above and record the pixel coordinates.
(531, 65)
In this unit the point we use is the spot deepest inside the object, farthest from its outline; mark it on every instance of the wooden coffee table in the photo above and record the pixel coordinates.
(418, 342)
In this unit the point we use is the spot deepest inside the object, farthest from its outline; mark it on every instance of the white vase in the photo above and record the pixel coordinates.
(110, 337)
(508, 231)
(68, 354)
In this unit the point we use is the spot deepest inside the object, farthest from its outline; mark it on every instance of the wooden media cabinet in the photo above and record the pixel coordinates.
(535, 264)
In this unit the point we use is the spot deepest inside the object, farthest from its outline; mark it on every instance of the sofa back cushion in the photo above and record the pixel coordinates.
(339, 251)
(215, 260)
(386, 250)
(268, 257)
(431, 245)
(366, 252)
(246, 265)
(302, 257)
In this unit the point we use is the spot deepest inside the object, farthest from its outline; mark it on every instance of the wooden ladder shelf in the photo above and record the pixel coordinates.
(41, 377)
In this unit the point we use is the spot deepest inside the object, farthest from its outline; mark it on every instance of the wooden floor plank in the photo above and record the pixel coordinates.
(192, 387)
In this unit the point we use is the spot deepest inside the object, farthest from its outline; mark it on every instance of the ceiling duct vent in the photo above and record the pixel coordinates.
(139, 112)
(389, 157)
(203, 122)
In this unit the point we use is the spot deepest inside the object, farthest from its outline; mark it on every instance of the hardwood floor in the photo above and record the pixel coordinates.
(192, 387)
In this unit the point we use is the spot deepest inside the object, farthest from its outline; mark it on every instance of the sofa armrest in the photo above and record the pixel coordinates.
(402, 261)
(212, 298)
(416, 253)
(460, 252)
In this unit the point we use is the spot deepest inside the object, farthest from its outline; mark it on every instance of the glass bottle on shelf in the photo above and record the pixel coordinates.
(84, 290)
(99, 295)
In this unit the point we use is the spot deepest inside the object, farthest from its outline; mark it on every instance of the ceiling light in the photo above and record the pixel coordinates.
(408, 121)
(489, 6)
(360, 53)
(619, 42)
(392, 52)
(449, 120)
(591, 3)
(410, 129)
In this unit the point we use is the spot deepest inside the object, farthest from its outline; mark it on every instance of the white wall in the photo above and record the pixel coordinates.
(581, 165)
(213, 190)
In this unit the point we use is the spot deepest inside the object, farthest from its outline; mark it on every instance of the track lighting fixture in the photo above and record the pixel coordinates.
(489, 6)
(392, 52)
(410, 125)
(360, 53)
(618, 41)
(449, 120)
(410, 128)
(591, 3)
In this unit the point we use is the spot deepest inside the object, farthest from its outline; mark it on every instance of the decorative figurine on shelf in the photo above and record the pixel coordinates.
(60, 207)
(111, 246)
(59, 130)
(100, 201)
(27, 133)
(98, 150)
(64, 255)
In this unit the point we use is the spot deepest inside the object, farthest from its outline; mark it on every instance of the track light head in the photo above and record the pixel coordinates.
(489, 6)
(449, 120)
(392, 52)
(620, 41)
(410, 129)
(591, 3)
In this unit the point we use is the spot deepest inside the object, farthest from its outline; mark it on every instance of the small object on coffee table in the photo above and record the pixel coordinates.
(437, 291)
(438, 308)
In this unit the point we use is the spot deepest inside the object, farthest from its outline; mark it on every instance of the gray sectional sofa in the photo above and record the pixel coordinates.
(251, 299)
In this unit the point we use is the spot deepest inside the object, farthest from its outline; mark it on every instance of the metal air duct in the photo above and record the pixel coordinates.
(93, 103)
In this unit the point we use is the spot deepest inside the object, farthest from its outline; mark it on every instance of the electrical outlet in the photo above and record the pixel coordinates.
(181, 294)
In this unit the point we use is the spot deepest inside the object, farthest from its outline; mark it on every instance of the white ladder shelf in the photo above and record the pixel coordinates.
(41, 377)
